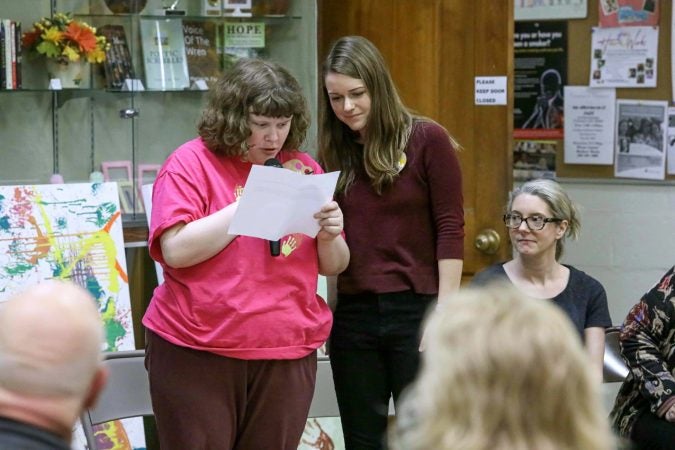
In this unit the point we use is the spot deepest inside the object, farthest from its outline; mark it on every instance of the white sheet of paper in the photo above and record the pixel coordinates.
(277, 202)
(589, 125)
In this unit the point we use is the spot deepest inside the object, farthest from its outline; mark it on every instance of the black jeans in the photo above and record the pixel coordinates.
(653, 433)
(374, 354)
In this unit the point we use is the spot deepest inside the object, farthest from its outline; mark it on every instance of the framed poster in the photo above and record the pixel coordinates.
(129, 200)
(146, 174)
(116, 170)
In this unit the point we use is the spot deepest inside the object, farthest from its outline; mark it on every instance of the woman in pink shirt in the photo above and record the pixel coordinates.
(233, 331)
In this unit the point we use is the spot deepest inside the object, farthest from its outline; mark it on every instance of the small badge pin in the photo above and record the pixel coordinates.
(401, 162)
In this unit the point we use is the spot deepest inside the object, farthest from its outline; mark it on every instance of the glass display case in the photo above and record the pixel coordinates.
(120, 123)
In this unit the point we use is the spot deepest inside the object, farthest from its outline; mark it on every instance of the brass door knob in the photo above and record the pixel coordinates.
(487, 241)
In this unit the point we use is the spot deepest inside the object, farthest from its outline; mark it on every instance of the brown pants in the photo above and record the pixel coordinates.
(204, 401)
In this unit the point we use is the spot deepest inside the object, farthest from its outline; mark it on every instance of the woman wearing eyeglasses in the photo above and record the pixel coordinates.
(539, 216)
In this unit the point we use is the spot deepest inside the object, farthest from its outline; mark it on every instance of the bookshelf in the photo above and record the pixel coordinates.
(73, 132)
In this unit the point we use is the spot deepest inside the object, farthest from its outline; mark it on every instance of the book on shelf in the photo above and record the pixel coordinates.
(10, 54)
(242, 40)
(12, 49)
(232, 54)
(118, 64)
(7, 56)
(19, 57)
(164, 56)
(3, 75)
(201, 46)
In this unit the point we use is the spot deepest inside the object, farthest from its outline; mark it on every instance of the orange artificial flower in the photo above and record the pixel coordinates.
(82, 35)
(66, 39)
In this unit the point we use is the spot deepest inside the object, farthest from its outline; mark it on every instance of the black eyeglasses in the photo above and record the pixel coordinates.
(534, 223)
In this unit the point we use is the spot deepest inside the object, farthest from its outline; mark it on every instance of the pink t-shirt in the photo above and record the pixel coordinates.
(243, 302)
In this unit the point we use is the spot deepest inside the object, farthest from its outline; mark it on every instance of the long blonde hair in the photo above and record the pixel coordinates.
(502, 371)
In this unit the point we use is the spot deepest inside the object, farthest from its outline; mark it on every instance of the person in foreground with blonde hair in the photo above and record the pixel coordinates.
(501, 371)
(50, 364)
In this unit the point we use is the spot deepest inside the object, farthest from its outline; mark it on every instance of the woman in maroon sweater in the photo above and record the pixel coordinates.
(400, 191)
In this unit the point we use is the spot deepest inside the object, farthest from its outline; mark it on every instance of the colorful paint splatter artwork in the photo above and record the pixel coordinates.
(71, 232)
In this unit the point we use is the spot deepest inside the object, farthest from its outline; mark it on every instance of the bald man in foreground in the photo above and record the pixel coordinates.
(50, 364)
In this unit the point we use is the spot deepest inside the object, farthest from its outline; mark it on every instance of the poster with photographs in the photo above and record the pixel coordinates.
(624, 57)
(672, 56)
(533, 159)
(538, 10)
(628, 13)
(671, 141)
(640, 139)
(540, 68)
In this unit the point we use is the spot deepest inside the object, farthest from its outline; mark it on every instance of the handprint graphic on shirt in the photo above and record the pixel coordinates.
(238, 191)
(289, 245)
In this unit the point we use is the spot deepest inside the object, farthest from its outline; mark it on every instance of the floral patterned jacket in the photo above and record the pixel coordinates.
(648, 346)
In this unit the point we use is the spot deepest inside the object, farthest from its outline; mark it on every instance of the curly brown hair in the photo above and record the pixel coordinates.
(258, 87)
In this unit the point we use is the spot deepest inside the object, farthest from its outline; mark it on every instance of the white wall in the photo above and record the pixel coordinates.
(627, 241)
(627, 236)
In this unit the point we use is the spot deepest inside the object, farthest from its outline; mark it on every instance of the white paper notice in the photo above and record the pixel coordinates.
(490, 91)
(670, 158)
(589, 125)
(641, 135)
(277, 202)
(624, 57)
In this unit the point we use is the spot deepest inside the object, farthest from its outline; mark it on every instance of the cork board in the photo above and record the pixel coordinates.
(578, 63)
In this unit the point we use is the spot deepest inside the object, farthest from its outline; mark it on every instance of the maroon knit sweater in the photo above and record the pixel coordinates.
(396, 238)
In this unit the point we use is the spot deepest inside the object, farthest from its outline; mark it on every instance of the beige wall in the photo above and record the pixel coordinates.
(627, 237)
(627, 241)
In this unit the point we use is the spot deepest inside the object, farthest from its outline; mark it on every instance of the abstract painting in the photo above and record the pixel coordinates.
(71, 232)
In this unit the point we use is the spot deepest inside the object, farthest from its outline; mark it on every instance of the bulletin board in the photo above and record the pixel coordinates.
(578, 63)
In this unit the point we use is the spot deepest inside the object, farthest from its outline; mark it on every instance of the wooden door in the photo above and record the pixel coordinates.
(434, 49)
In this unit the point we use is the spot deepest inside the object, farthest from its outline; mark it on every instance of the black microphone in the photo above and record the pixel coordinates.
(275, 246)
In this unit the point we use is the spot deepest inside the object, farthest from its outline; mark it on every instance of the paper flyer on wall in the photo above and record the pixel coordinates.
(671, 142)
(533, 159)
(672, 56)
(589, 121)
(641, 133)
(626, 13)
(537, 10)
(624, 57)
(540, 72)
